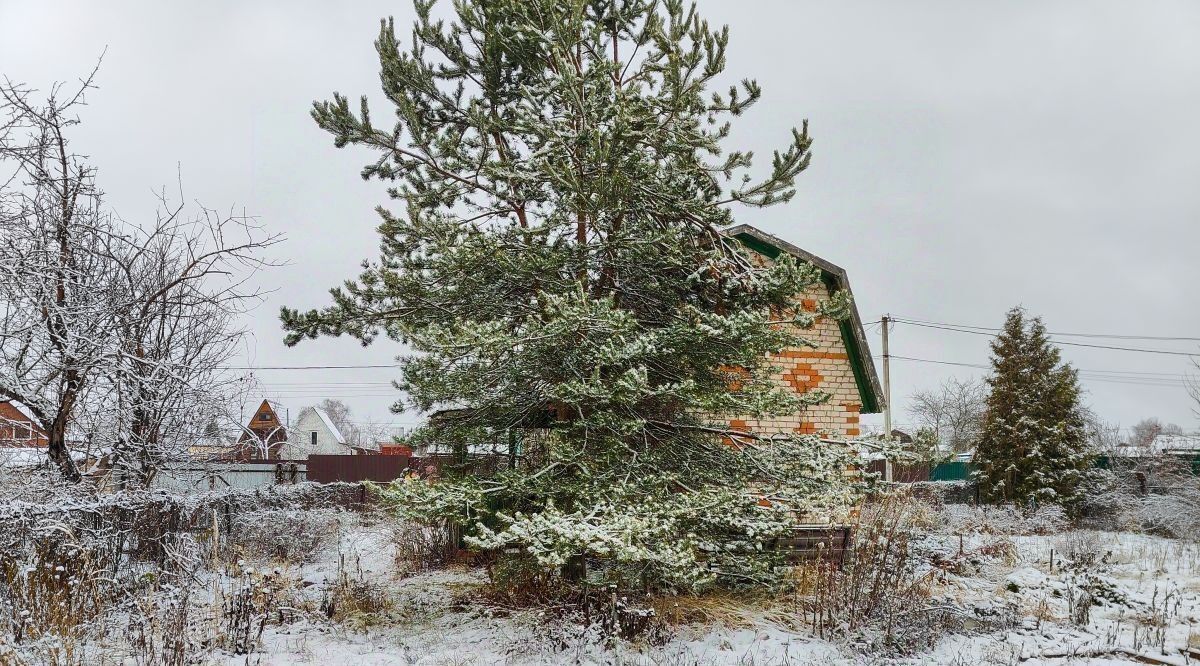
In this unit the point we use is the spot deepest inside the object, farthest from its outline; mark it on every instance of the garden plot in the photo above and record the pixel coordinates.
(285, 581)
(1115, 597)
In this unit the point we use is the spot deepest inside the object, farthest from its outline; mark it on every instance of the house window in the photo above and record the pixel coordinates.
(264, 417)
(312, 436)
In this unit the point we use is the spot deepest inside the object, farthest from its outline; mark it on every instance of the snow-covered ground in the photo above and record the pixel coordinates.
(1136, 602)
(1145, 592)
(436, 624)
(996, 595)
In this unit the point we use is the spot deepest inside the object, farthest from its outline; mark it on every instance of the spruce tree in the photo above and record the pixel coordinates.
(558, 269)
(1033, 448)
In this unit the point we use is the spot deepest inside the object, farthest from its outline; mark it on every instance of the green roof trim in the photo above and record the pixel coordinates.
(759, 246)
(870, 402)
(853, 336)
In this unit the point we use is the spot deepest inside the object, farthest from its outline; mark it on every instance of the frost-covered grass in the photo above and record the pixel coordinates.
(971, 586)
(1144, 591)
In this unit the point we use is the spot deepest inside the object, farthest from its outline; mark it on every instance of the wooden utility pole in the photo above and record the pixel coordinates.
(887, 395)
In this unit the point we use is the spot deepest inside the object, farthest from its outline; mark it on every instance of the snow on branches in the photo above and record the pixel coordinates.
(562, 279)
(112, 334)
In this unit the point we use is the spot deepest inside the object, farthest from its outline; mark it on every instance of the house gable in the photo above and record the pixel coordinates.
(263, 436)
(853, 337)
(315, 433)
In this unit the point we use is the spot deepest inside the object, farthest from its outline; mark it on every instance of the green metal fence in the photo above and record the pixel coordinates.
(952, 471)
(962, 471)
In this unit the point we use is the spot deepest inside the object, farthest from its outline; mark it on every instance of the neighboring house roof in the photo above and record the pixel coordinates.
(262, 437)
(902, 436)
(265, 424)
(13, 414)
(17, 457)
(333, 429)
(20, 407)
(834, 276)
(1175, 444)
(24, 456)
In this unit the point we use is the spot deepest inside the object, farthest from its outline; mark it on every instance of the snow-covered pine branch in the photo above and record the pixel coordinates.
(561, 277)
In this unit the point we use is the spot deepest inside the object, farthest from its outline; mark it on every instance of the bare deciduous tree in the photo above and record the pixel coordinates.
(185, 280)
(55, 309)
(1104, 437)
(1145, 431)
(954, 411)
(119, 330)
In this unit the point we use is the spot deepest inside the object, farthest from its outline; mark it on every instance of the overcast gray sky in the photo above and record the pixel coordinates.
(969, 157)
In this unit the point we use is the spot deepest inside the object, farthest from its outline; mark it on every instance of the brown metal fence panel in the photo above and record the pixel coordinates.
(876, 467)
(353, 469)
(902, 473)
(913, 473)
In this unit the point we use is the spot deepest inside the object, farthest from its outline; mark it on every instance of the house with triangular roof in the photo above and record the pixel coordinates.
(840, 364)
(19, 428)
(264, 437)
(314, 432)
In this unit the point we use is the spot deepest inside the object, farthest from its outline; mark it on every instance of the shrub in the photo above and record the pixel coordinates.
(110, 579)
(54, 586)
(1005, 519)
(877, 583)
(283, 534)
(422, 546)
(354, 600)
(1154, 494)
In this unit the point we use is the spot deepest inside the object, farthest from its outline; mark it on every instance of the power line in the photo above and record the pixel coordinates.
(928, 360)
(1159, 379)
(957, 329)
(909, 320)
(1175, 375)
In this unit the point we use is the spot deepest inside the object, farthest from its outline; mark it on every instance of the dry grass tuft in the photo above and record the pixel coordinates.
(716, 608)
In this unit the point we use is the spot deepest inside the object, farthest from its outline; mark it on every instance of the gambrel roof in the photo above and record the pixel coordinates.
(834, 276)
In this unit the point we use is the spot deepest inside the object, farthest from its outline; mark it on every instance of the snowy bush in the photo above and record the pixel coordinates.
(1153, 494)
(283, 534)
(938, 493)
(422, 546)
(1175, 514)
(869, 599)
(1005, 519)
(1080, 548)
(54, 583)
(123, 576)
(354, 600)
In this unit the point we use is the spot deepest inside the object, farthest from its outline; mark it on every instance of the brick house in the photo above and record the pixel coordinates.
(840, 365)
(18, 428)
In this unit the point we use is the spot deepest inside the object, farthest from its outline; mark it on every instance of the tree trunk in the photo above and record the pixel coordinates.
(57, 450)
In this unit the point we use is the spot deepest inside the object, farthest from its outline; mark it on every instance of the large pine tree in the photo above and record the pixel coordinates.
(558, 268)
(1034, 442)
